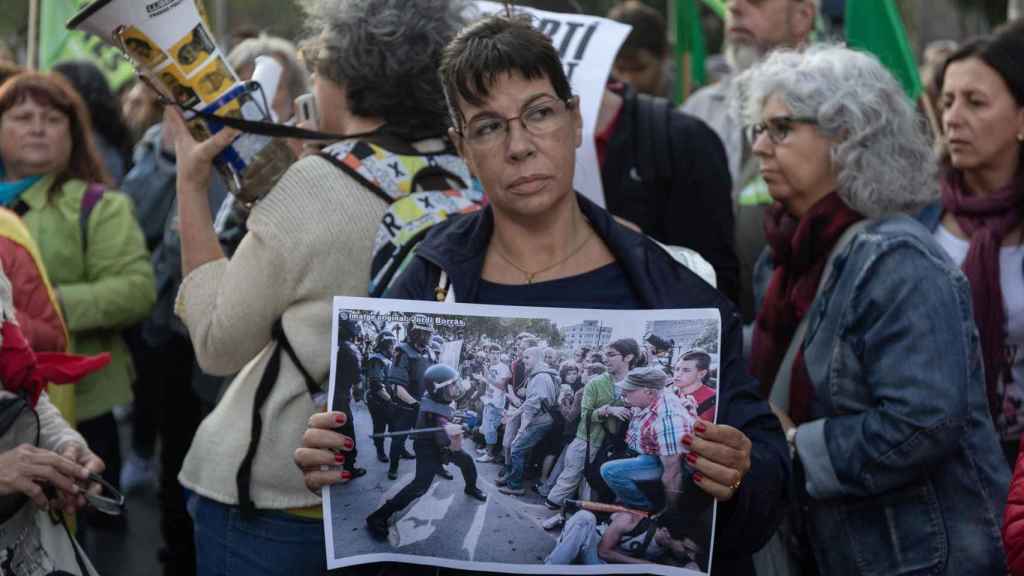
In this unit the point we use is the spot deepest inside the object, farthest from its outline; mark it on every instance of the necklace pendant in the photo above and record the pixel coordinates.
(530, 277)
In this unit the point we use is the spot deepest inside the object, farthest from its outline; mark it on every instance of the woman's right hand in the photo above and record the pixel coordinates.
(320, 456)
(26, 469)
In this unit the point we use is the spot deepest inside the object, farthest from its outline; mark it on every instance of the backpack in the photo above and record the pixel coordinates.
(421, 189)
(654, 151)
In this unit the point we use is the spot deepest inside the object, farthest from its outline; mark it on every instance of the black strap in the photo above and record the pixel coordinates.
(93, 195)
(706, 404)
(654, 118)
(243, 479)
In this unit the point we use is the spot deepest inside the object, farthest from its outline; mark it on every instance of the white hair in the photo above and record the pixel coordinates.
(881, 151)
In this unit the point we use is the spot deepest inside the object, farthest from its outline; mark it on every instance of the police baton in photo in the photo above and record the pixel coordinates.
(521, 440)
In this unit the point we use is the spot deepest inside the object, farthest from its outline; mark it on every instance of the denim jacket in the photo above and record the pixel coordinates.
(902, 463)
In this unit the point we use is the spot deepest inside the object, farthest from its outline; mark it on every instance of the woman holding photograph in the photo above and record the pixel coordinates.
(539, 243)
(878, 382)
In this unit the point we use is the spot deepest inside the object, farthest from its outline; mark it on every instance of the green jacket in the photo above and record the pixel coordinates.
(101, 292)
(597, 393)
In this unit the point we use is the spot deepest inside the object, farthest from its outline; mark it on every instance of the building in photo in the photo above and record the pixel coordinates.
(590, 333)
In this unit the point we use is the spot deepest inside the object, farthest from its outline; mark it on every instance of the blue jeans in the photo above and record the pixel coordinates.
(527, 438)
(274, 543)
(622, 477)
(491, 422)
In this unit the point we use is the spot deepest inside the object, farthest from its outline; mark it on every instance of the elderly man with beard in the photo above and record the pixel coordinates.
(753, 29)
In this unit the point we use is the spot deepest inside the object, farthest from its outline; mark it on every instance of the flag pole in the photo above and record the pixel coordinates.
(33, 35)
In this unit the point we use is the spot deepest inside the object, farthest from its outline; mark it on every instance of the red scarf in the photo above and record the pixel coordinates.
(27, 372)
(800, 249)
(986, 220)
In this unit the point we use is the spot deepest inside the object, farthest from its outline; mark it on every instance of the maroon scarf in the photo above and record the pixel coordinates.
(800, 249)
(986, 220)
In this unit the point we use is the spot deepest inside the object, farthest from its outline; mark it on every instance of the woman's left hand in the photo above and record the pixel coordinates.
(86, 458)
(720, 458)
(194, 159)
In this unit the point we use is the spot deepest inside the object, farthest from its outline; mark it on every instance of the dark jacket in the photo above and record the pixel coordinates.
(691, 206)
(744, 523)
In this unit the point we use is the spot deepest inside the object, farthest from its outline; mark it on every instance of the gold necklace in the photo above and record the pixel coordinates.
(531, 275)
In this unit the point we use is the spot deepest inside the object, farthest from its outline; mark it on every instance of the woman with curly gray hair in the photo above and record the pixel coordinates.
(877, 382)
(310, 238)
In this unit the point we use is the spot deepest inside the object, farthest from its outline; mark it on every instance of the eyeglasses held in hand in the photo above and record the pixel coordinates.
(110, 501)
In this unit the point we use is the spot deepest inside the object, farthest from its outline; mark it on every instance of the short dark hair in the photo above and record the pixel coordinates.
(648, 31)
(493, 46)
(627, 346)
(703, 360)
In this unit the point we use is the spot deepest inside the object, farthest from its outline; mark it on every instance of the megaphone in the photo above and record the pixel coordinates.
(172, 48)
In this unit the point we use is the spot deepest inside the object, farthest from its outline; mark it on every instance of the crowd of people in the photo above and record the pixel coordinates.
(860, 416)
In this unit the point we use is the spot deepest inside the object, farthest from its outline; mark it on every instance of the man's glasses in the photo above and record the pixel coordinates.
(110, 501)
(778, 128)
(541, 117)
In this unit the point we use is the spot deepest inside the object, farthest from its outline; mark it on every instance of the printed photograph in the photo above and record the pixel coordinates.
(141, 48)
(214, 80)
(192, 50)
(177, 86)
(526, 440)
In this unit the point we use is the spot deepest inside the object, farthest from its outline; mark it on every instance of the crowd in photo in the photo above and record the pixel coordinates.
(171, 247)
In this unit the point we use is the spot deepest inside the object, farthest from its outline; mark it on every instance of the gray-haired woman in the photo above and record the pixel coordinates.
(311, 238)
(865, 340)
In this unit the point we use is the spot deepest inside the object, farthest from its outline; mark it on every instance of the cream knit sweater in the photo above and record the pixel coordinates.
(310, 239)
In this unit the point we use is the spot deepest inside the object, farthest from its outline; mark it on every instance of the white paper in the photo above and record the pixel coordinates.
(267, 72)
(444, 527)
(587, 46)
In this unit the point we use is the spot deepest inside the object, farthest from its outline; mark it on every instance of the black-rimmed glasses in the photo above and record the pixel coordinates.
(541, 117)
(777, 128)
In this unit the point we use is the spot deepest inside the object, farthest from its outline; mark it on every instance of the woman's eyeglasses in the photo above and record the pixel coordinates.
(539, 118)
(777, 128)
(110, 501)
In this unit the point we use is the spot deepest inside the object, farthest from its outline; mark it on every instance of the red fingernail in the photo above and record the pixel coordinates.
(349, 444)
(339, 419)
(700, 428)
(691, 458)
(688, 440)
(346, 475)
(339, 458)
(697, 478)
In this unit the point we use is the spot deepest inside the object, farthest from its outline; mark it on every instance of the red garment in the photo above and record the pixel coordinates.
(39, 320)
(986, 220)
(601, 140)
(1013, 521)
(22, 370)
(704, 394)
(800, 249)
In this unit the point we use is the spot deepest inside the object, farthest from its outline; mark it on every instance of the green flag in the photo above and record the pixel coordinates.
(717, 6)
(58, 44)
(689, 48)
(875, 26)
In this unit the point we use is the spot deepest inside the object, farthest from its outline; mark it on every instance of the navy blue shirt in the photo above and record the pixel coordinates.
(606, 287)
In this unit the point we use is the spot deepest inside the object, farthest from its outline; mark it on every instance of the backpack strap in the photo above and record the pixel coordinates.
(243, 478)
(93, 195)
(707, 404)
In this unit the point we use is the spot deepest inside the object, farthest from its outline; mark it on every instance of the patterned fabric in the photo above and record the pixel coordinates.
(659, 429)
(401, 179)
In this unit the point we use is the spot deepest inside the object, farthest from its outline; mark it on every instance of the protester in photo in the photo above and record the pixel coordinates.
(89, 242)
(691, 375)
(845, 157)
(442, 386)
(626, 539)
(378, 392)
(517, 393)
(642, 58)
(497, 379)
(753, 29)
(602, 412)
(111, 135)
(536, 419)
(309, 239)
(657, 424)
(348, 371)
(567, 252)
(978, 219)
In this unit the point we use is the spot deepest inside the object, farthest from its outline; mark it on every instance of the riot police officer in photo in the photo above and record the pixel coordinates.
(378, 393)
(348, 371)
(433, 448)
(405, 377)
